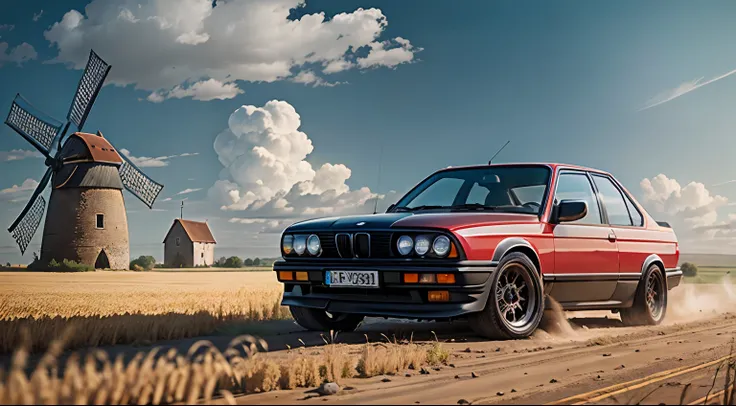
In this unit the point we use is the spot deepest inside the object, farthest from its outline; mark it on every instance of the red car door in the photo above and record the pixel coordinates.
(586, 253)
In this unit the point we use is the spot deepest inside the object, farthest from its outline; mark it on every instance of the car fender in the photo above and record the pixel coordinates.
(653, 259)
(509, 244)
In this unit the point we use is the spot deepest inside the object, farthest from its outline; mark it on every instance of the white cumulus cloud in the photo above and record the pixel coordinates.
(693, 211)
(693, 202)
(205, 90)
(18, 193)
(192, 48)
(27, 185)
(384, 54)
(18, 55)
(308, 77)
(265, 171)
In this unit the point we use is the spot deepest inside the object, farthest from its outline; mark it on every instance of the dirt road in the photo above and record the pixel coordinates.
(594, 359)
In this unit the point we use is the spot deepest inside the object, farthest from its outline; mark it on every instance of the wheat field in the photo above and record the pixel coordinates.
(103, 308)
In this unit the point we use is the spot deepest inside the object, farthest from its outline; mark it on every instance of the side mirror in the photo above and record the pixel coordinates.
(571, 210)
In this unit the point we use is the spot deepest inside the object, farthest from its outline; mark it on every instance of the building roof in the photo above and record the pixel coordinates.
(96, 149)
(197, 231)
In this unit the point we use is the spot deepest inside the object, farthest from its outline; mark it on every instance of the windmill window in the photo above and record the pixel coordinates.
(202, 255)
(100, 221)
(177, 241)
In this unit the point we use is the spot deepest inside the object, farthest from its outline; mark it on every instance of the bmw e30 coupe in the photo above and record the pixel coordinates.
(488, 243)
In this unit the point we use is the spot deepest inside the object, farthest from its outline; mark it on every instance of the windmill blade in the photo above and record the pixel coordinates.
(36, 127)
(138, 183)
(25, 226)
(88, 88)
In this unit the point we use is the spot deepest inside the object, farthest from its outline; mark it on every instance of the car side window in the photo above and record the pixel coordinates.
(613, 201)
(636, 216)
(441, 193)
(576, 186)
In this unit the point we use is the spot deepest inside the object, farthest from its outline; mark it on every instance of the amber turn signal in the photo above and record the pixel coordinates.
(286, 276)
(411, 278)
(438, 296)
(453, 251)
(302, 276)
(446, 278)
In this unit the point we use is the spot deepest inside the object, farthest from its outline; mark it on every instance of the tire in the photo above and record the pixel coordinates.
(495, 324)
(650, 301)
(320, 320)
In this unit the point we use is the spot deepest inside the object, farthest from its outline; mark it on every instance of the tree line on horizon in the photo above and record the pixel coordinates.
(148, 262)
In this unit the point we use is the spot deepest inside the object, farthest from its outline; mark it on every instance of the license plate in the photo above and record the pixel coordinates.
(363, 279)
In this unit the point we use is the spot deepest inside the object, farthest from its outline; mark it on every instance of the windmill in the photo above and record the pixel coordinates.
(86, 221)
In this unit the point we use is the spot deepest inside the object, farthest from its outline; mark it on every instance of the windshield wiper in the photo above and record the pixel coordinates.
(473, 206)
(417, 208)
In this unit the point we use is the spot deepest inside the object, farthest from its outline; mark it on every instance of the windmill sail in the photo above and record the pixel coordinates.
(25, 226)
(137, 183)
(87, 90)
(33, 125)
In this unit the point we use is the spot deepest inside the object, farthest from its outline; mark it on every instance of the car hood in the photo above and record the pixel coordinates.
(447, 221)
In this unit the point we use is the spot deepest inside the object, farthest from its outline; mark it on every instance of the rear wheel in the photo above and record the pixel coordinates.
(516, 301)
(650, 302)
(320, 320)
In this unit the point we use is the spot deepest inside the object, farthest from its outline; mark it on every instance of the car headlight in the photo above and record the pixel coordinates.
(421, 245)
(313, 245)
(287, 244)
(300, 244)
(404, 245)
(441, 246)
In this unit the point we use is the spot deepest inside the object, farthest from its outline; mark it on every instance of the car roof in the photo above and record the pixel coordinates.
(553, 166)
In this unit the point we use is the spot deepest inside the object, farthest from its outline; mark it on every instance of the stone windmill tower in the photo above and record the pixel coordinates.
(86, 221)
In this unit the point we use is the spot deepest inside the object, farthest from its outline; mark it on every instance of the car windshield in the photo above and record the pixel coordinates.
(513, 188)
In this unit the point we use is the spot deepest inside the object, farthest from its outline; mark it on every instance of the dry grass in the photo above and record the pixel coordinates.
(202, 373)
(103, 308)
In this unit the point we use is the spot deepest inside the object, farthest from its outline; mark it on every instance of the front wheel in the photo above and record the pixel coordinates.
(650, 302)
(516, 301)
(320, 320)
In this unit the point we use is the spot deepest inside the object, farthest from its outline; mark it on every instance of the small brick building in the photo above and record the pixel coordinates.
(189, 244)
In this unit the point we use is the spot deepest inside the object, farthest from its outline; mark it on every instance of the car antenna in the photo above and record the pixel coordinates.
(378, 182)
(499, 151)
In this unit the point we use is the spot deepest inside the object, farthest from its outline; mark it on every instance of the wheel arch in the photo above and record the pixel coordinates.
(653, 259)
(516, 244)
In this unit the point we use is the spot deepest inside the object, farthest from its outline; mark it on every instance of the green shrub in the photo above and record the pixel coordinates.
(146, 262)
(689, 269)
(63, 266)
(234, 262)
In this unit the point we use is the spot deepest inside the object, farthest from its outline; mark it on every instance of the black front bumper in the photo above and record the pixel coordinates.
(393, 298)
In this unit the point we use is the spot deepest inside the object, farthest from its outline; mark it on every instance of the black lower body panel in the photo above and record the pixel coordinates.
(393, 298)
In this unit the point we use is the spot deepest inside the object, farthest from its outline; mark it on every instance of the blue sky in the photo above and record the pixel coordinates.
(564, 81)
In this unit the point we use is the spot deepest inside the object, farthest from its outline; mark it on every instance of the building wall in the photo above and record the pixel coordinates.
(204, 254)
(181, 256)
(70, 230)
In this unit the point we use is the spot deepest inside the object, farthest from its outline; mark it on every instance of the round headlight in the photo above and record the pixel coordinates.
(421, 246)
(441, 246)
(313, 245)
(287, 244)
(300, 244)
(405, 244)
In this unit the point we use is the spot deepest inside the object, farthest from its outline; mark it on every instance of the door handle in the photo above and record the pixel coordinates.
(611, 237)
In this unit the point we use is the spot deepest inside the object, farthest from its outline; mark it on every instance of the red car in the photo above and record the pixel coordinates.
(488, 243)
